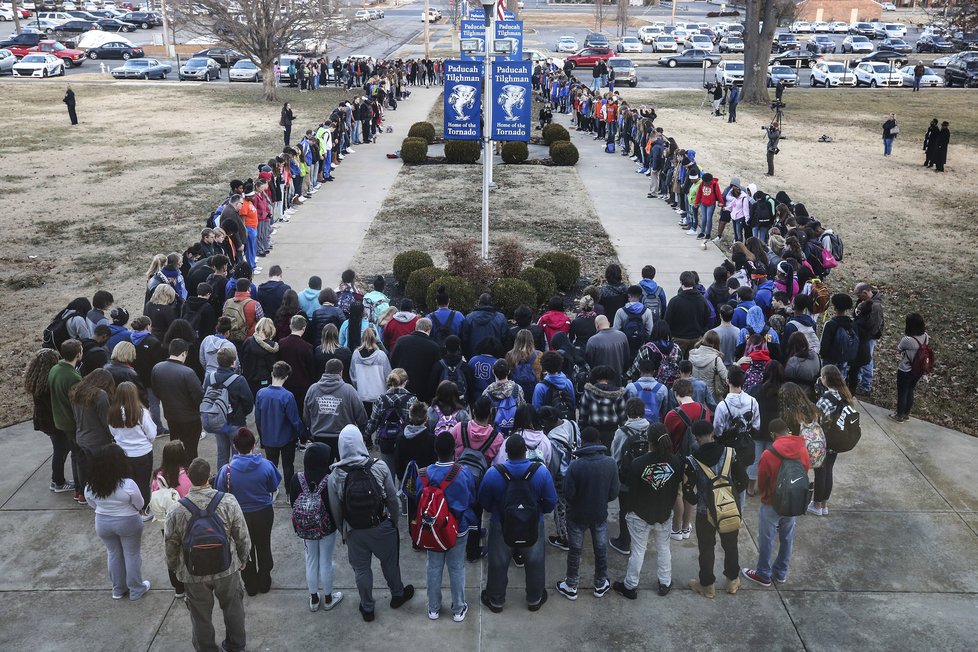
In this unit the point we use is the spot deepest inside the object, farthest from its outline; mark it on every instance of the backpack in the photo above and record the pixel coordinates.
(435, 527)
(841, 428)
(475, 458)
(820, 294)
(445, 422)
(923, 359)
(791, 487)
(57, 331)
(391, 425)
(810, 335)
(723, 512)
(206, 548)
(668, 370)
(310, 516)
(580, 375)
(216, 404)
(363, 502)
(560, 399)
(609, 148)
(520, 514)
(756, 341)
(193, 317)
(754, 375)
(739, 435)
(634, 330)
(650, 396)
(835, 245)
(560, 458)
(814, 441)
(162, 500)
(636, 445)
(440, 331)
(525, 377)
(214, 219)
(653, 304)
(505, 414)
(345, 299)
(688, 445)
(235, 311)
(455, 374)
(534, 454)
(847, 343)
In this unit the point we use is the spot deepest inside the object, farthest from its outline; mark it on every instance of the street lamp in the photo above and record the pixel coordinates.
(488, 8)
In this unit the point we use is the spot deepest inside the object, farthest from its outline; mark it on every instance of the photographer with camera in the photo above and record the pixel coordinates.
(773, 137)
(717, 98)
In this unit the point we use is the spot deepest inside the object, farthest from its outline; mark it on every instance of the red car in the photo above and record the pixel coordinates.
(69, 56)
(588, 57)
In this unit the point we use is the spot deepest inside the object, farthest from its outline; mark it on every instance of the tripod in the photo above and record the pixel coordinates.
(779, 113)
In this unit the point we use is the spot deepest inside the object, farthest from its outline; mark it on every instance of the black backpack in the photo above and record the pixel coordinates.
(521, 513)
(634, 330)
(57, 331)
(560, 399)
(206, 546)
(440, 331)
(688, 445)
(363, 502)
(791, 487)
(847, 342)
(636, 445)
(455, 374)
(474, 458)
(739, 435)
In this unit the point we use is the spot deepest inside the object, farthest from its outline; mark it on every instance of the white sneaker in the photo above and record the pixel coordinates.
(340, 156)
(691, 232)
(812, 509)
(258, 268)
(334, 599)
(433, 615)
(350, 150)
(460, 616)
(676, 535)
(716, 239)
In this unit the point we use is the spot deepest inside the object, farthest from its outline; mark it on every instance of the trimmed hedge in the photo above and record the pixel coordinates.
(515, 152)
(424, 130)
(416, 288)
(564, 153)
(554, 132)
(510, 293)
(565, 268)
(460, 291)
(414, 150)
(408, 261)
(542, 280)
(462, 151)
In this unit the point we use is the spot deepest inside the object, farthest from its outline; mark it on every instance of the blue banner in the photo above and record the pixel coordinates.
(474, 29)
(511, 100)
(479, 13)
(463, 91)
(513, 31)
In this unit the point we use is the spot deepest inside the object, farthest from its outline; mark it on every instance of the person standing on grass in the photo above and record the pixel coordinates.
(733, 99)
(773, 137)
(941, 145)
(69, 100)
(918, 74)
(890, 131)
(930, 143)
(914, 336)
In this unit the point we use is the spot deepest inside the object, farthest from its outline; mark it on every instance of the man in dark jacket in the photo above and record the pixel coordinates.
(485, 321)
(95, 353)
(271, 291)
(608, 347)
(218, 280)
(149, 352)
(179, 390)
(295, 350)
(869, 320)
(590, 484)
(688, 314)
(240, 398)
(416, 353)
(199, 312)
(837, 348)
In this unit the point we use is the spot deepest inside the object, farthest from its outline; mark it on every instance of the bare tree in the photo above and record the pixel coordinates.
(621, 17)
(761, 19)
(961, 17)
(14, 10)
(598, 15)
(261, 29)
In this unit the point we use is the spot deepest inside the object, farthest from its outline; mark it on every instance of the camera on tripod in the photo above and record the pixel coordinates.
(709, 86)
(777, 105)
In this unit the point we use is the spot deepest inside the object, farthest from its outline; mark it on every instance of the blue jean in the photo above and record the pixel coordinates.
(759, 448)
(122, 536)
(760, 232)
(769, 525)
(887, 146)
(355, 132)
(319, 564)
(251, 246)
(223, 438)
(707, 223)
(500, 555)
(738, 227)
(595, 84)
(691, 214)
(599, 541)
(866, 371)
(454, 557)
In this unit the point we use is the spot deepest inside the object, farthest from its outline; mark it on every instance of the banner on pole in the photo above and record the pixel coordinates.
(463, 108)
(512, 30)
(473, 29)
(512, 100)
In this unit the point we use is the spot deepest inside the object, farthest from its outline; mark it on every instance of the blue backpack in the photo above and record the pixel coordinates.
(649, 395)
(505, 415)
(206, 548)
(847, 343)
(525, 377)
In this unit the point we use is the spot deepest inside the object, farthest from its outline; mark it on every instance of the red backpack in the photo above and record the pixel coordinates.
(435, 527)
(923, 359)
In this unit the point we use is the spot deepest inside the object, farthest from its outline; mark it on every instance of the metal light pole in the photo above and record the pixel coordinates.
(488, 7)
(427, 20)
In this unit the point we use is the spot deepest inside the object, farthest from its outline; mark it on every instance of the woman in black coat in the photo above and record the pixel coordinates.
(943, 138)
(286, 122)
(930, 143)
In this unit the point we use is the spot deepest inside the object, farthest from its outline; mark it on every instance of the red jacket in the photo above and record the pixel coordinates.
(790, 447)
(709, 195)
(396, 328)
(553, 322)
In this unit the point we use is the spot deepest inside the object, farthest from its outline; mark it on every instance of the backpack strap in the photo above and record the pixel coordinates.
(435, 323)
(452, 474)
(464, 431)
(423, 476)
(727, 461)
(685, 418)
(503, 471)
(488, 442)
(227, 381)
(530, 472)
(303, 485)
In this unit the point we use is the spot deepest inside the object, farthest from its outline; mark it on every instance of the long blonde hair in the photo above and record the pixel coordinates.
(265, 329)
(331, 338)
(523, 348)
(832, 379)
(369, 341)
(163, 295)
(155, 265)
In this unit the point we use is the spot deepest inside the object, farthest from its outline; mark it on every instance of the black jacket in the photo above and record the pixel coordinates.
(693, 476)
(200, 312)
(653, 484)
(827, 349)
(326, 314)
(416, 353)
(270, 296)
(688, 314)
(179, 390)
(590, 484)
(94, 356)
(239, 395)
(149, 351)
(197, 275)
(483, 322)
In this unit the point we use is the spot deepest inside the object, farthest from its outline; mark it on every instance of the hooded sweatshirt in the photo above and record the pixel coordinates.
(756, 325)
(478, 434)
(688, 314)
(653, 486)
(650, 287)
(251, 479)
(277, 417)
(309, 301)
(331, 405)
(535, 440)
(790, 447)
(417, 443)
(369, 374)
(602, 406)
(400, 324)
(708, 366)
(315, 467)
(634, 309)
(459, 494)
(483, 322)
(353, 453)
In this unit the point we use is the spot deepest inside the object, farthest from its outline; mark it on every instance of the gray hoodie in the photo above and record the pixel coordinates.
(208, 351)
(369, 374)
(353, 453)
(330, 405)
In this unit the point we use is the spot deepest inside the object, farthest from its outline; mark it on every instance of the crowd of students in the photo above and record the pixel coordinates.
(309, 74)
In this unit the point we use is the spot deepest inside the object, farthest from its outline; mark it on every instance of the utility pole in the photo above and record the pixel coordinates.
(168, 46)
(427, 21)
(487, 147)
(13, 8)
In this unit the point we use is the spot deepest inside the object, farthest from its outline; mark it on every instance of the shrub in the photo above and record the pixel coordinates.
(414, 150)
(462, 151)
(510, 293)
(554, 132)
(424, 130)
(418, 282)
(515, 152)
(564, 153)
(508, 256)
(565, 268)
(460, 291)
(408, 261)
(465, 260)
(543, 282)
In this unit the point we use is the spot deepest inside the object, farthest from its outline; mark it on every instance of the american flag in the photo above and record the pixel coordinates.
(500, 10)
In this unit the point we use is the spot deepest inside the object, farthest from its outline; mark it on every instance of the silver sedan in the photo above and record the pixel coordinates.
(245, 70)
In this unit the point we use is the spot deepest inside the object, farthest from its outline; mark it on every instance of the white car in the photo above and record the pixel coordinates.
(647, 33)
(244, 70)
(800, 27)
(567, 44)
(68, 5)
(840, 27)
(857, 44)
(432, 16)
(930, 78)
(877, 73)
(664, 43)
(831, 73)
(731, 43)
(680, 35)
(39, 65)
(536, 56)
(821, 27)
(628, 44)
(700, 42)
(891, 30)
(888, 6)
(6, 13)
(730, 73)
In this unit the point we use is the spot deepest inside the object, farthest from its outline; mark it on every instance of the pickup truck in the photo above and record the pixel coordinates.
(69, 56)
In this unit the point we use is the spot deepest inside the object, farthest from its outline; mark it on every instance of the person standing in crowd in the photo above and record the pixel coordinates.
(133, 430)
(278, 421)
(608, 347)
(118, 505)
(331, 405)
(37, 385)
(890, 132)
(417, 353)
(833, 396)
(170, 484)
(90, 400)
(240, 400)
(868, 318)
(908, 374)
(688, 313)
(942, 141)
(222, 583)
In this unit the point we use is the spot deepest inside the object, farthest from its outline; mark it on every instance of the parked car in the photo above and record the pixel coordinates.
(857, 43)
(203, 68)
(680, 36)
(70, 56)
(224, 56)
(781, 73)
(593, 39)
(821, 44)
(941, 62)
(840, 27)
(115, 25)
(784, 42)
(863, 29)
(78, 26)
(691, 57)
(930, 77)
(7, 61)
(897, 45)
(56, 17)
(567, 44)
(888, 6)
(875, 73)
(794, 58)
(962, 72)
(144, 19)
(830, 74)
(890, 30)
(245, 70)
(362, 16)
(629, 44)
(933, 43)
(115, 50)
(966, 41)
(664, 43)
(700, 41)
(647, 33)
(730, 73)
(886, 56)
(800, 27)
(142, 69)
(731, 43)
(376, 14)
(821, 27)
(6, 13)
(589, 56)
(625, 72)
(39, 65)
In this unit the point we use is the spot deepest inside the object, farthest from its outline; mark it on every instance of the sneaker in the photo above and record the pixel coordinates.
(783, 580)
(146, 516)
(460, 616)
(119, 597)
(314, 602)
(812, 509)
(567, 591)
(61, 488)
(825, 511)
(619, 546)
(492, 606)
(733, 586)
(147, 584)
(706, 591)
(331, 600)
(753, 576)
(691, 232)
(350, 150)
(340, 156)
(602, 589)
(518, 560)
(686, 532)
(624, 591)
(368, 616)
(433, 615)
(676, 535)
(557, 542)
(664, 589)
(536, 606)
(179, 595)
(80, 499)
(700, 236)
(716, 239)
(641, 171)
(396, 602)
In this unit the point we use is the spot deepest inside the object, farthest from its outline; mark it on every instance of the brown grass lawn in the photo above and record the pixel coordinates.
(906, 229)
